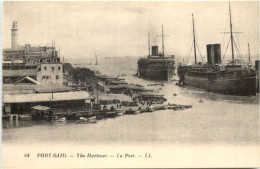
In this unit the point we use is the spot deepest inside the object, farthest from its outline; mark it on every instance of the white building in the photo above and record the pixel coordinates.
(50, 73)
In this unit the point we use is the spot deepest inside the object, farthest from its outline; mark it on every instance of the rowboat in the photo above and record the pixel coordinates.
(87, 120)
(25, 117)
(62, 119)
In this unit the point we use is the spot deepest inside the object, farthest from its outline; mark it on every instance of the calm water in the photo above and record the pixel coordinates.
(219, 119)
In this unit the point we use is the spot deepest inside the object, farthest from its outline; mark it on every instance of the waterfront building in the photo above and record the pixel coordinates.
(50, 73)
(61, 102)
(28, 61)
(34, 76)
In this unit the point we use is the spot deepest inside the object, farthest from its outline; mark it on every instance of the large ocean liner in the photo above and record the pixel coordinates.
(233, 78)
(156, 66)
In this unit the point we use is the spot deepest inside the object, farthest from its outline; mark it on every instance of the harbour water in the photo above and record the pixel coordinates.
(219, 119)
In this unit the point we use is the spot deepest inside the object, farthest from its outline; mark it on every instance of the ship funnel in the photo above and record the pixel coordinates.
(154, 50)
(217, 53)
(213, 54)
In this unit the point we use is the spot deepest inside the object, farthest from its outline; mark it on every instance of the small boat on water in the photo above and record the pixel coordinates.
(63, 119)
(178, 107)
(150, 109)
(119, 112)
(156, 84)
(111, 114)
(25, 117)
(96, 60)
(130, 111)
(87, 120)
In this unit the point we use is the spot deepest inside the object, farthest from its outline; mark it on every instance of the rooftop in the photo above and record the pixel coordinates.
(26, 80)
(46, 97)
(39, 107)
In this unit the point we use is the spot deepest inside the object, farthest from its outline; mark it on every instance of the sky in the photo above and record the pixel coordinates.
(121, 28)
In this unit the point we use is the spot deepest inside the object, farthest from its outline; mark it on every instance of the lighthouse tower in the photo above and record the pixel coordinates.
(14, 35)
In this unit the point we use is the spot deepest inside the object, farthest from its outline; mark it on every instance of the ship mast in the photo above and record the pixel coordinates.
(162, 42)
(149, 50)
(96, 58)
(249, 54)
(194, 40)
(231, 33)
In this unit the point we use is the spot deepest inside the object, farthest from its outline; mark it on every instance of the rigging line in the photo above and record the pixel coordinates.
(239, 55)
(226, 49)
(224, 35)
(190, 53)
(200, 53)
(238, 44)
(225, 41)
(237, 48)
(205, 54)
(197, 40)
(190, 40)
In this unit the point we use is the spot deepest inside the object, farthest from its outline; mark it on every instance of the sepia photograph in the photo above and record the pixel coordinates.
(130, 84)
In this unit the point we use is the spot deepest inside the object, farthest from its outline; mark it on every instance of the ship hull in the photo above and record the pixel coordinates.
(242, 86)
(157, 70)
(158, 74)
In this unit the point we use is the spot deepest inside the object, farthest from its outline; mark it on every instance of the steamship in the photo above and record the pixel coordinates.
(156, 66)
(233, 78)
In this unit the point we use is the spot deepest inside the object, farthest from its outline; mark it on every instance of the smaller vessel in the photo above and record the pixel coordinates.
(156, 66)
(137, 112)
(96, 59)
(175, 107)
(87, 120)
(120, 113)
(111, 114)
(150, 109)
(63, 119)
(130, 111)
(25, 117)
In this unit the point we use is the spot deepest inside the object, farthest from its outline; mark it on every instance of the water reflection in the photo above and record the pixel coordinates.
(198, 93)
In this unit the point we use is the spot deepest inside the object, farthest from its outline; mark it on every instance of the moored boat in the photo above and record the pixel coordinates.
(130, 111)
(25, 117)
(156, 66)
(87, 120)
(232, 78)
(111, 114)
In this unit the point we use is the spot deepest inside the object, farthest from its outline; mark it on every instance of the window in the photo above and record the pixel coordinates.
(57, 76)
(58, 67)
(52, 68)
(45, 68)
